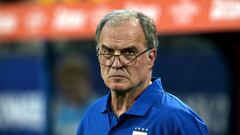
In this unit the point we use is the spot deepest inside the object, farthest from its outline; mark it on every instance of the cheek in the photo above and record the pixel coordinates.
(140, 69)
(103, 72)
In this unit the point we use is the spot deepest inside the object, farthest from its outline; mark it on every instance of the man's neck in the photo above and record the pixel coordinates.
(121, 103)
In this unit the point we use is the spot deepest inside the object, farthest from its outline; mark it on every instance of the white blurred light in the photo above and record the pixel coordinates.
(225, 10)
(65, 19)
(25, 110)
(8, 23)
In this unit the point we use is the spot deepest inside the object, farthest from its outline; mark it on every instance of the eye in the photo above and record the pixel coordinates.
(128, 52)
(106, 51)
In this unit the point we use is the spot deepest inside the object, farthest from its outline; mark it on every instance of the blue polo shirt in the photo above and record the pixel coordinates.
(155, 112)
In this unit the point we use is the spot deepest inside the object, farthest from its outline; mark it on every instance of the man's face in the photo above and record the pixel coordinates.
(128, 37)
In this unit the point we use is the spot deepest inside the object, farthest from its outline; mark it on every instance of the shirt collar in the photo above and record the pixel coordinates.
(144, 101)
(106, 103)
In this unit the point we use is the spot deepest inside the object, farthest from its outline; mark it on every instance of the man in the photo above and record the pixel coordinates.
(136, 104)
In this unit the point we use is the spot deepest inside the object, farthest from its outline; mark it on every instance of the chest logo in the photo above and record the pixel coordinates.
(140, 131)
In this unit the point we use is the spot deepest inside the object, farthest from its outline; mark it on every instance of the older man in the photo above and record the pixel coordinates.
(136, 104)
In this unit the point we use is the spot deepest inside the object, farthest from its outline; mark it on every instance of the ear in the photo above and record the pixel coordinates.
(152, 57)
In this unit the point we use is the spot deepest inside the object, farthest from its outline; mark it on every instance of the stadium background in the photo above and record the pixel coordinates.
(49, 72)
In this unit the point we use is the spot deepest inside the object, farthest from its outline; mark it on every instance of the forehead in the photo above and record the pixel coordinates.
(124, 34)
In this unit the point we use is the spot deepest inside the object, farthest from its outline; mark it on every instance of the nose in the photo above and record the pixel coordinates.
(116, 62)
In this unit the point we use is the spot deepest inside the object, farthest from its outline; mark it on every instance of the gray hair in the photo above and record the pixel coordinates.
(145, 21)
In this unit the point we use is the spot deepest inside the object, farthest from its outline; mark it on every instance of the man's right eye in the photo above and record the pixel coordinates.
(106, 51)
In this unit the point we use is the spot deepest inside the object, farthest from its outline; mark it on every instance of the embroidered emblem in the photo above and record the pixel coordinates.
(140, 131)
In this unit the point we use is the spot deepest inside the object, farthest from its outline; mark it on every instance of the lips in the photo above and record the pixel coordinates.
(116, 76)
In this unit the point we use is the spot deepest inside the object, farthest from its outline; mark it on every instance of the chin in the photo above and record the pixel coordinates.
(118, 87)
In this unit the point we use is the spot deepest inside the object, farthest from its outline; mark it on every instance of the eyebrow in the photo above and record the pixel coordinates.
(106, 47)
(131, 47)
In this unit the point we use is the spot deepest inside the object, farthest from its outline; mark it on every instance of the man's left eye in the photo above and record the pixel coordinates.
(129, 53)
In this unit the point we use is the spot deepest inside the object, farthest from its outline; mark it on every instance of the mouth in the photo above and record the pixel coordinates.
(117, 76)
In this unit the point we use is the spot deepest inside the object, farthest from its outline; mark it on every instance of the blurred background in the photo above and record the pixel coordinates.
(49, 72)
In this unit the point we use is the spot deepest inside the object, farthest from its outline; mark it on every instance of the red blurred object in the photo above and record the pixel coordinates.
(24, 21)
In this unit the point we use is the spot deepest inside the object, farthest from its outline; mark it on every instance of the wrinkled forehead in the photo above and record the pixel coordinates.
(121, 19)
(121, 35)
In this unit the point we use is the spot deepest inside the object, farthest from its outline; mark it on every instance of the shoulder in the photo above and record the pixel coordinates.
(169, 102)
(174, 116)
